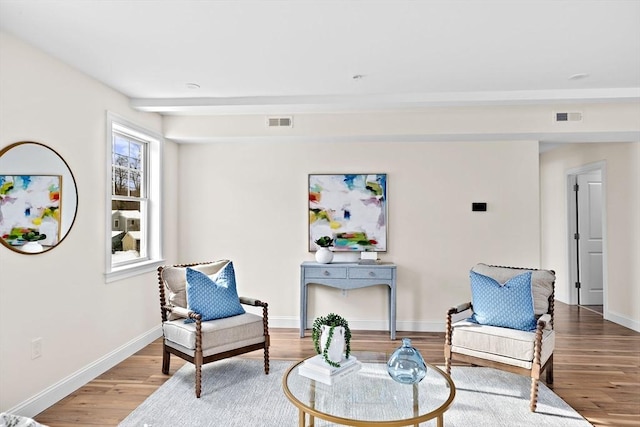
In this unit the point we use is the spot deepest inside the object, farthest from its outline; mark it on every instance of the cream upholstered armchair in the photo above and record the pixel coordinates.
(190, 294)
(526, 349)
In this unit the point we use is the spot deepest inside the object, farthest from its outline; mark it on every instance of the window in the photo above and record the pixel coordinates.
(133, 233)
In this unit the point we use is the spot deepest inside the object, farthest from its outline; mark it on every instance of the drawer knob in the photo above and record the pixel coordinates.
(326, 273)
(372, 274)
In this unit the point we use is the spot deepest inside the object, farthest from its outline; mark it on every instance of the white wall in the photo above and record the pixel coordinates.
(248, 202)
(61, 295)
(622, 189)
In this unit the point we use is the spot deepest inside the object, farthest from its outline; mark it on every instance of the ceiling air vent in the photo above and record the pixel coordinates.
(568, 117)
(280, 122)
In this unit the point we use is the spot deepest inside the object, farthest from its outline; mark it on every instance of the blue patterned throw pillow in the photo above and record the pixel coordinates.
(509, 305)
(214, 297)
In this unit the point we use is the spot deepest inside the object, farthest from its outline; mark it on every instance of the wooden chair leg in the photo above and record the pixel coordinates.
(550, 372)
(447, 342)
(266, 360)
(166, 359)
(198, 361)
(533, 402)
(447, 356)
(198, 379)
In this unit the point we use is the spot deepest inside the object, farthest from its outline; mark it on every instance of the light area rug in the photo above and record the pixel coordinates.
(236, 392)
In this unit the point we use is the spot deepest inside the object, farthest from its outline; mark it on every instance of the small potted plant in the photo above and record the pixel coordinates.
(331, 338)
(32, 238)
(324, 242)
(323, 254)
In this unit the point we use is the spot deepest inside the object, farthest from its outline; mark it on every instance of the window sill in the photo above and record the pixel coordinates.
(126, 271)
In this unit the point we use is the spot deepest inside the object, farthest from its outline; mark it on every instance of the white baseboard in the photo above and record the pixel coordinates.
(364, 325)
(623, 321)
(284, 322)
(411, 326)
(49, 396)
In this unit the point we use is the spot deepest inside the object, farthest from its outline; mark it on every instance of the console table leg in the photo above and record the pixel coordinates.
(303, 308)
(392, 310)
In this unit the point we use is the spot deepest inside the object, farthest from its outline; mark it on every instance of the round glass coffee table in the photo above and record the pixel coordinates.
(369, 397)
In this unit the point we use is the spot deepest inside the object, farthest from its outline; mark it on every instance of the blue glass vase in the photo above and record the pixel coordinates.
(406, 364)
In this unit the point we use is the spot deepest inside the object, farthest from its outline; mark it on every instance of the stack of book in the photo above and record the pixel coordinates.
(317, 369)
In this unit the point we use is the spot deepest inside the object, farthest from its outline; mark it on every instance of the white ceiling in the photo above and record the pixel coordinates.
(256, 56)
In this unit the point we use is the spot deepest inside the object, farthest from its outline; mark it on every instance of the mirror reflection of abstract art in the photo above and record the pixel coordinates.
(350, 208)
(30, 204)
(38, 198)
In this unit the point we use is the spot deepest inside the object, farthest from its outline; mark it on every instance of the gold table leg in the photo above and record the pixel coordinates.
(312, 420)
(416, 405)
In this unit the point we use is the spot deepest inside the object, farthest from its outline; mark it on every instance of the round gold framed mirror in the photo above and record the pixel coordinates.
(38, 198)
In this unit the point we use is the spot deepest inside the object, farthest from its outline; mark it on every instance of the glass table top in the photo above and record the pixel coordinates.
(370, 395)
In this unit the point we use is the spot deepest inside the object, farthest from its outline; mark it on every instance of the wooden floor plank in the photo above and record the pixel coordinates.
(596, 370)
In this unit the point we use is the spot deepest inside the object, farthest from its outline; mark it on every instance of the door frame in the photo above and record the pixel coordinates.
(572, 227)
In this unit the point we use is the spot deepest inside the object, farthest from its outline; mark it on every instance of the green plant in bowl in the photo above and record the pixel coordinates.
(33, 236)
(324, 241)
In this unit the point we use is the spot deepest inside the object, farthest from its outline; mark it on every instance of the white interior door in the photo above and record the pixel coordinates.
(590, 238)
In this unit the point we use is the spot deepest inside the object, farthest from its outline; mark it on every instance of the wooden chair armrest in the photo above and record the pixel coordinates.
(459, 308)
(252, 301)
(544, 322)
(182, 312)
(449, 325)
(265, 314)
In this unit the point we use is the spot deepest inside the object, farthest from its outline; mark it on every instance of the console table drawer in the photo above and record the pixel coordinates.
(326, 273)
(369, 273)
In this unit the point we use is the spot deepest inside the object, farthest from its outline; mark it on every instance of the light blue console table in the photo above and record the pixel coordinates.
(348, 275)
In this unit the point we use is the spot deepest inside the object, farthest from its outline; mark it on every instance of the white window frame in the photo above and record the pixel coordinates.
(153, 172)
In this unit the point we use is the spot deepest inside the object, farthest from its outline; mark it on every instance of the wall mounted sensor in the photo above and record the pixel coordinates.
(479, 207)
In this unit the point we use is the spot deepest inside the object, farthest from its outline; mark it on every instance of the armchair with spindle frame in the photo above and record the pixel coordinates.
(201, 342)
(518, 351)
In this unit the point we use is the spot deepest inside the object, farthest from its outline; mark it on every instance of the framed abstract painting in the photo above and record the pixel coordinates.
(349, 208)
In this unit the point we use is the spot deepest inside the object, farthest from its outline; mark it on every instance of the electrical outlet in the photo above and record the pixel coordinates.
(36, 348)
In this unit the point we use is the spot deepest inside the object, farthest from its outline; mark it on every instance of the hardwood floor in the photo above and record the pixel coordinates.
(597, 308)
(596, 369)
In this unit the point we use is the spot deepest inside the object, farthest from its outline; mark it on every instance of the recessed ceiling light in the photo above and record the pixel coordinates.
(192, 86)
(579, 76)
